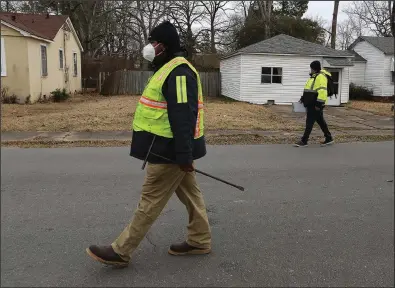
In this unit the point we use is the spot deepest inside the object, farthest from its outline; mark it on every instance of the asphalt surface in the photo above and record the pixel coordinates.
(310, 217)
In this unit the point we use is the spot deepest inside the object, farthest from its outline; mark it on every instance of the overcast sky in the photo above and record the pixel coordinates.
(324, 9)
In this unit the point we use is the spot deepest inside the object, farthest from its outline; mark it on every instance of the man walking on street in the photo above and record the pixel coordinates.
(314, 98)
(168, 122)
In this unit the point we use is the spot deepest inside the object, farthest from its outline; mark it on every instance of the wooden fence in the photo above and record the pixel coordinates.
(126, 82)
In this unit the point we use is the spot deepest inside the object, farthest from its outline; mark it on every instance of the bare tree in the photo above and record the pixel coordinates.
(185, 15)
(143, 16)
(374, 15)
(334, 24)
(229, 41)
(244, 6)
(7, 6)
(139, 18)
(265, 9)
(218, 21)
(346, 34)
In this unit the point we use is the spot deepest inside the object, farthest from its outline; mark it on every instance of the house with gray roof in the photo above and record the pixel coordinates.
(377, 71)
(275, 70)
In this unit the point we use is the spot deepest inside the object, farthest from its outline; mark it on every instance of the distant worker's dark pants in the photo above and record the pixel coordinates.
(315, 116)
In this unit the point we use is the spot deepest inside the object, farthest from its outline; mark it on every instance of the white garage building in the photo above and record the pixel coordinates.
(275, 71)
(374, 65)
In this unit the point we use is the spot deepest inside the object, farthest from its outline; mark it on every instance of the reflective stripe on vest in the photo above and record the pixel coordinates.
(160, 104)
(153, 104)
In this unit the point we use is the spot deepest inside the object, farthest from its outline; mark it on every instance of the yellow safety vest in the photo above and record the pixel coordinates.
(151, 112)
(318, 84)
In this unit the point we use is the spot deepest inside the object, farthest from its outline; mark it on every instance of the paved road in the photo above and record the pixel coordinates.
(310, 217)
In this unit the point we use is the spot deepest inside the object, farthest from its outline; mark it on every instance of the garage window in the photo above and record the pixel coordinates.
(272, 75)
(3, 62)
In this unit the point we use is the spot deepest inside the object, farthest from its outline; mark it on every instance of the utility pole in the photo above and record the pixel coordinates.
(334, 24)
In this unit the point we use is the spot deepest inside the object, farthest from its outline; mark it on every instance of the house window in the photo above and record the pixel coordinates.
(3, 65)
(60, 58)
(44, 64)
(75, 66)
(272, 75)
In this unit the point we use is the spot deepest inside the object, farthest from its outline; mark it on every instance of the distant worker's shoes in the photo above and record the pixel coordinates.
(327, 142)
(300, 144)
(186, 249)
(106, 255)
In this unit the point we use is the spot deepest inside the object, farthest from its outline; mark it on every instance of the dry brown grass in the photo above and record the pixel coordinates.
(99, 113)
(379, 108)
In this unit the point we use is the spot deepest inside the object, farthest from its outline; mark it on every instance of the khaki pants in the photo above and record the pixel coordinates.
(160, 183)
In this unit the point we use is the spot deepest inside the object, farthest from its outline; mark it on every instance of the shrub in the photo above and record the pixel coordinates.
(43, 99)
(60, 95)
(360, 92)
(8, 99)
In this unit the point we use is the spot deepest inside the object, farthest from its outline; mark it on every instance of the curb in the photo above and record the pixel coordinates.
(127, 135)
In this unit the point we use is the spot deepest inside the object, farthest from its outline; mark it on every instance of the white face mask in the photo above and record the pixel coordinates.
(149, 52)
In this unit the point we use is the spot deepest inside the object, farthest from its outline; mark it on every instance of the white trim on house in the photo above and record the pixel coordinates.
(46, 59)
(61, 67)
(68, 21)
(325, 63)
(3, 59)
(392, 69)
(25, 33)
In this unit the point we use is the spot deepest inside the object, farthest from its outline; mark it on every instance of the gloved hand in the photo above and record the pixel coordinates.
(187, 168)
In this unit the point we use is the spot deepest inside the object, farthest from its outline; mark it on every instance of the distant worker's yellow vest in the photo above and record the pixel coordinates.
(151, 112)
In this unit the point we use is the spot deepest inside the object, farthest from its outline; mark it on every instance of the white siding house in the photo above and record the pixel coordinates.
(231, 77)
(276, 70)
(378, 68)
(357, 72)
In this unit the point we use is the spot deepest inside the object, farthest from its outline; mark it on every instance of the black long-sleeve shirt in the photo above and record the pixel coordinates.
(182, 112)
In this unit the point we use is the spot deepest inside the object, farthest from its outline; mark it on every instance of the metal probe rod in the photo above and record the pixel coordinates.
(204, 173)
(149, 151)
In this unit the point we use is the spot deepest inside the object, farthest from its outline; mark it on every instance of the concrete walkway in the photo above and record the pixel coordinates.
(342, 118)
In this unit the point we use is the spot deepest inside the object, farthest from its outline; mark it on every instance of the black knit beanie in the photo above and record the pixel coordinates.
(316, 66)
(166, 34)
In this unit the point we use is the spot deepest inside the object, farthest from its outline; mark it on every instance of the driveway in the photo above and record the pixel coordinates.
(342, 118)
(310, 217)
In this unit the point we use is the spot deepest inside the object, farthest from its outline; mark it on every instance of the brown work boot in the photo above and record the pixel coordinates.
(184, 248)
(106, 255)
